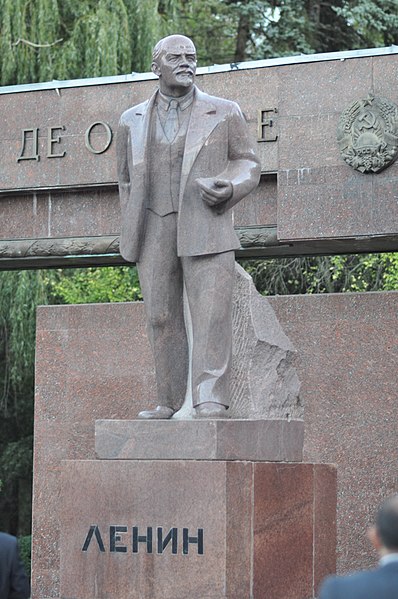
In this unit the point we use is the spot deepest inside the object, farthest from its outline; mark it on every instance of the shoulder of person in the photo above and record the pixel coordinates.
(8, 544)
(227, 106)
(138, 110)
(6, 539)
(343, 584)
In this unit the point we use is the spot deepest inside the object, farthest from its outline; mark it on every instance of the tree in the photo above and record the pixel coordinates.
(92, 285)
(50, 39)
(375, 22)
(325, 274)
(20, 292)
(286, 27)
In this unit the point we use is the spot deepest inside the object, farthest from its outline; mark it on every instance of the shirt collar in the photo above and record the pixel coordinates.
(388, 559)
(183, 102)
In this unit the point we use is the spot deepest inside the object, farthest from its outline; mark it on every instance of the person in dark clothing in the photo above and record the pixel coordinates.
(381, 583)
(14, 584)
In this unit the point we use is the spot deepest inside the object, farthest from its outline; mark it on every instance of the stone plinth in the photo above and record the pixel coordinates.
(240, 530)
(266, 440)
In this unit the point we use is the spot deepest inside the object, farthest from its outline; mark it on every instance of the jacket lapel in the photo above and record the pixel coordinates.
(141, 130)
(203, 120)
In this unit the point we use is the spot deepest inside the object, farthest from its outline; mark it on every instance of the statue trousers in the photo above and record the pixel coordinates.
(208, 281)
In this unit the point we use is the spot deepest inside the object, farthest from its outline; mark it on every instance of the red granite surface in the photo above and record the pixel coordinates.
(258, 522)
(93, 362)
(348, 344)
(318, 196)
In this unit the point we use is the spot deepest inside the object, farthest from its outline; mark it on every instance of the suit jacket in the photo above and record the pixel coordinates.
(217, 144)
(14, 583)
(373, 584)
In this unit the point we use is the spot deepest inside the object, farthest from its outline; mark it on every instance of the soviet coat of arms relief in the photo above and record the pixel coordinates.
(367, 134)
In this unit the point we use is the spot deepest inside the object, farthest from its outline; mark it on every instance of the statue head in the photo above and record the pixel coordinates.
(174, 62)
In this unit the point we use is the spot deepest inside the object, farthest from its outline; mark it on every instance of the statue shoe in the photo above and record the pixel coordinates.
(211, 409)
(159, 413)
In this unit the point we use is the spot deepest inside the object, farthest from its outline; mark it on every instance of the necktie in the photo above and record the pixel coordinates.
(172, 125)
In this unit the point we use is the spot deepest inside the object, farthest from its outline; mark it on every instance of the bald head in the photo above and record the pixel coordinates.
(171, 41)
(387, 523)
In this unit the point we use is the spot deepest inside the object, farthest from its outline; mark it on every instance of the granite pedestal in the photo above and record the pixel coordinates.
(207, 528)
(269, 440)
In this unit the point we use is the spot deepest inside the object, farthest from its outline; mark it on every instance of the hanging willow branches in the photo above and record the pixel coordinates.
(20, 293)
(53, 39)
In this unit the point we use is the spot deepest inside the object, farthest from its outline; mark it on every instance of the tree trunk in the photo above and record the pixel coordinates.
(242, 37)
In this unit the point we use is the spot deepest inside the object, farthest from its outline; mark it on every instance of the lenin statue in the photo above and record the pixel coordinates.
(185, 158)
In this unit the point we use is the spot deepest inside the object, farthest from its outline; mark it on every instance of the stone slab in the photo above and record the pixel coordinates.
(94, 362)
(248, 534)
(264, 381)
(307, 190)
(348, 344)
(320, 196)
(266, 440)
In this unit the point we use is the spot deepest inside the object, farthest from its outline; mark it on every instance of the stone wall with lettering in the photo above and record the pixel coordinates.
(58, 175)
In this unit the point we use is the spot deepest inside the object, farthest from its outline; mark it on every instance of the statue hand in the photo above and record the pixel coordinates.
(215, 191)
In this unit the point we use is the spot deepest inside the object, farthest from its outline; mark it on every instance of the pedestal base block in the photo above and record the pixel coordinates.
(265, 440)
(195, 529)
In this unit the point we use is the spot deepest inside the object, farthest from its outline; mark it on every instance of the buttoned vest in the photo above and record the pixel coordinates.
(165, 163)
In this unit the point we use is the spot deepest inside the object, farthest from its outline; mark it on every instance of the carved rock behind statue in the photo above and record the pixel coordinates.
(264, 379)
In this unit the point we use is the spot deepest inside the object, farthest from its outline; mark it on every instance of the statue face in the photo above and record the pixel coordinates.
(176, 66)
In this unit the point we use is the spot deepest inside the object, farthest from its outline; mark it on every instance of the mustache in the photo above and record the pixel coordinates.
(184, 72)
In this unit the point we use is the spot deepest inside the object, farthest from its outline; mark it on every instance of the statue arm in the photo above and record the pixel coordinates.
(122, 154)
(243, 168)
(243, 171)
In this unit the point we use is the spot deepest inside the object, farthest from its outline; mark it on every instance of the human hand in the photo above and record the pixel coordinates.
(215, 191)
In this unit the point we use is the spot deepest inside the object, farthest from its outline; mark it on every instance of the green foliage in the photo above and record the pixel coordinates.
(317, 274)
(20, 292)
(236, 30)
(325, 274)
(211, 24)
(52, 39)
(375, 22)
(146, 27)
(25, 544)
(98, 43)
(16, 459)
(390, 274)
(92, 285)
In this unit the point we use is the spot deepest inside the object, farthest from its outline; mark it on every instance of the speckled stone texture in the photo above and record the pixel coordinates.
(258, 535)
(94, 362)
(348, 348)
(264, 381)
(317, 195)
(91, 362)
(265, 440)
